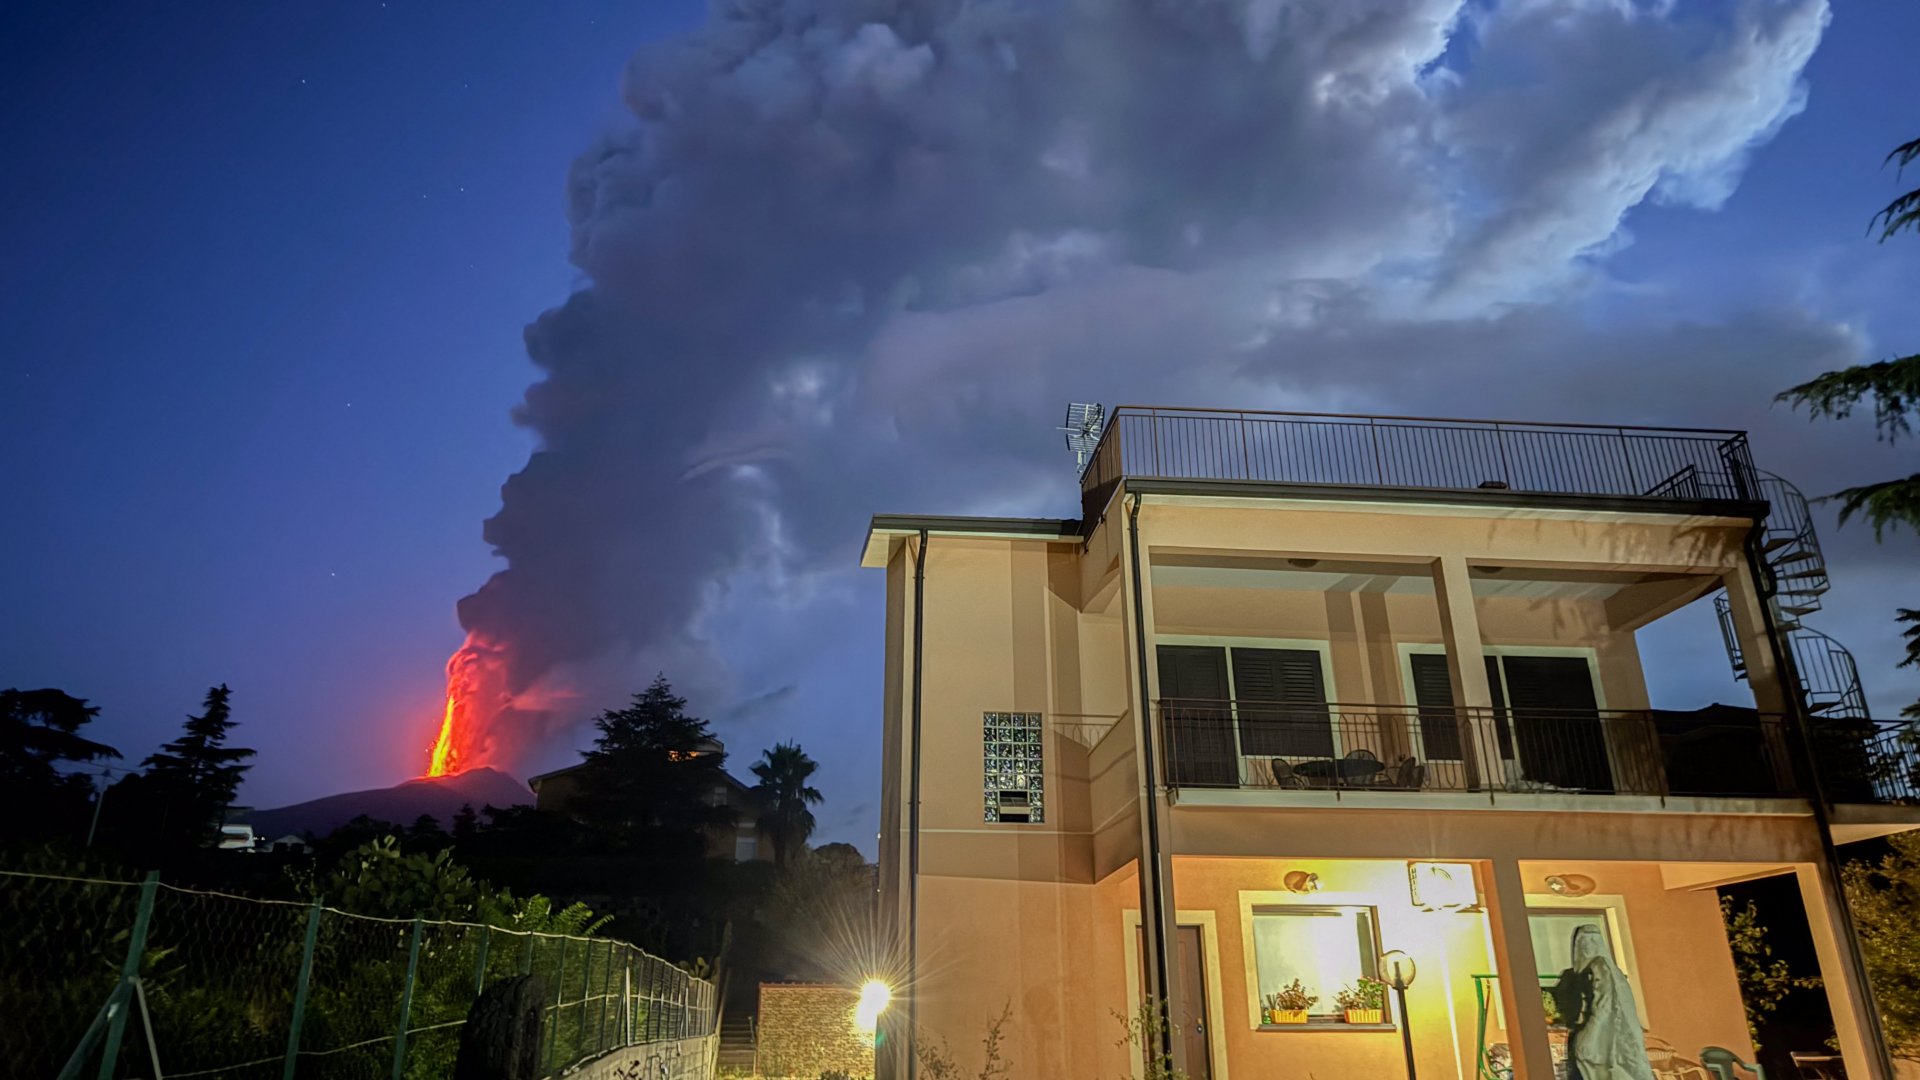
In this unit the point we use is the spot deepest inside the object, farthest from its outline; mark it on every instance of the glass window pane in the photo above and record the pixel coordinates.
(1325, 948)
(1552, 933)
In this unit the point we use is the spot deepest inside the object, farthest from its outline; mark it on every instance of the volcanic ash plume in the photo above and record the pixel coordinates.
(853, 255)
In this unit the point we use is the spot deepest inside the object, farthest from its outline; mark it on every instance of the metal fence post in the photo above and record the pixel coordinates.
(559, 990)
(406, 1003)
(600, 1040)
(586, 987)
(129, 971)
(300, 990)
(526, 960)
(480, 965)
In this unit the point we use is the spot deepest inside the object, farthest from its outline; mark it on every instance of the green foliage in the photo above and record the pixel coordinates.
(1765, 979)
(649, 774)
(1144, 1033)
(1292, 997)
(1884, 896)
(784, 796)
(819, 915)
(1363, 994)
(1904, 211)
(196, 776)
(937, 1061)
(380, 878)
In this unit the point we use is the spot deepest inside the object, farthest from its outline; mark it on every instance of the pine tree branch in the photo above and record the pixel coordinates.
(1903, 212)
(1894, 386)
(1885, 505)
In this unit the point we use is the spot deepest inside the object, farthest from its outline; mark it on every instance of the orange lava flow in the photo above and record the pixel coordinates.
(440, 758)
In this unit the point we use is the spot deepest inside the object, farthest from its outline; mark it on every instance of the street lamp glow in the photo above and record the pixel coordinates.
(874, 996)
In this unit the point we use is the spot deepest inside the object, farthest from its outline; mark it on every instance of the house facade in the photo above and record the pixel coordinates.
(1298, 692)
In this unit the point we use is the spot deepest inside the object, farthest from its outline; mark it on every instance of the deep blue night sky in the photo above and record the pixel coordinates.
(264, 270)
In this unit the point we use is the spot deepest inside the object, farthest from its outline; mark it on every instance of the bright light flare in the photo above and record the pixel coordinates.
(440, 756)
(874, 996)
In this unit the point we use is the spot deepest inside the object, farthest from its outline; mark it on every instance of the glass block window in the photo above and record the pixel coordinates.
(1013, 767)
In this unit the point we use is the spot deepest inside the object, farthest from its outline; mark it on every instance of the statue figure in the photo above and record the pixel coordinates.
(1604, 1041)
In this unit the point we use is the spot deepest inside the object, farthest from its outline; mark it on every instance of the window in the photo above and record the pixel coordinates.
(1013, 790)
(746, 845)
(1326, 948)
(1552, 933)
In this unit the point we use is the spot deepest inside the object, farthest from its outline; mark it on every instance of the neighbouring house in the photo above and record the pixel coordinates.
(1310, 690)
(741, 842)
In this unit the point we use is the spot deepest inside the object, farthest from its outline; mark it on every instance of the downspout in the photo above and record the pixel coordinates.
(1150, 890)
(913, 814)
(1816, 788)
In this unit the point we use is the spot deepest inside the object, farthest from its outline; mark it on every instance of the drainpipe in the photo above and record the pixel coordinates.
(913, 814)
(1150, 890)
(1802, 724)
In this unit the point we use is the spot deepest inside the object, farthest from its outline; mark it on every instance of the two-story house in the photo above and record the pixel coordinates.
(1295, 692)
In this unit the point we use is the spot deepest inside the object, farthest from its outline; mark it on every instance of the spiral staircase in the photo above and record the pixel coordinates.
(1858, 759)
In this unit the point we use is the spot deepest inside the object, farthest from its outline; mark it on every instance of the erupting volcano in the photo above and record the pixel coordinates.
(464, 741)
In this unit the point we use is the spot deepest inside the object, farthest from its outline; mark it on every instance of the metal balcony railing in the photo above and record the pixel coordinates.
(1395, 748)
(1867, 761)
(1416, 452)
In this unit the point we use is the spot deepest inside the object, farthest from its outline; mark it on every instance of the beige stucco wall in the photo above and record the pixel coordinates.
(1034, 915)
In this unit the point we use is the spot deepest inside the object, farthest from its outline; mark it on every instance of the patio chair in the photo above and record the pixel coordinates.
(1669, 1065)
(1408, 774)
(1283, 776)
(1722, 1062)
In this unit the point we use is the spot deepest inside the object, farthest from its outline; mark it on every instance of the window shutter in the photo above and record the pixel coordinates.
(1289, 677)
(1433, 692)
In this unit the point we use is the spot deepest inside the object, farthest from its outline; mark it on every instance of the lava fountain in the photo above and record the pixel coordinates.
(463, 741)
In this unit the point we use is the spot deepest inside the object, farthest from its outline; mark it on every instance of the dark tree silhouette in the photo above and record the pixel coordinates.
(651, 775)
(784, 796)
(196, 776)
(39, 733)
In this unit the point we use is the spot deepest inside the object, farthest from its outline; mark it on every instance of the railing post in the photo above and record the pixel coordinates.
(480, 965)
(406, 1002)
(586, 988)
(129, 971)
(600, 1040)
(1379, 466)
(526, 960)
(559, 991)
(300, 989)
(1246, 458)
(1626, 455)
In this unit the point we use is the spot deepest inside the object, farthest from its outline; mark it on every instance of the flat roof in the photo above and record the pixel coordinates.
(887, 529)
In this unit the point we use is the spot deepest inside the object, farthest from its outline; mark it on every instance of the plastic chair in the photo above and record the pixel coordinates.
(1722, 1062)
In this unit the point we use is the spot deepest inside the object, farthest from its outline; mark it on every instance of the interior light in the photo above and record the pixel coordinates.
(1438, 886)
(1570, 884)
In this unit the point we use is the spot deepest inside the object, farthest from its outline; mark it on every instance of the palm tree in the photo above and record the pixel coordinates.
(783, 793)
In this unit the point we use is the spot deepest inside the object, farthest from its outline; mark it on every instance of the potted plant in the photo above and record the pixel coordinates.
(1289, 1004)
(1364, 1001)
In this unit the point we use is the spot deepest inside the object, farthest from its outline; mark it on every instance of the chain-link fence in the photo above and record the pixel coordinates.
(115, 979)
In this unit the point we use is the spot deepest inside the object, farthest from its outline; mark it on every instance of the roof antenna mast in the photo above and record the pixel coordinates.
(1085, 421)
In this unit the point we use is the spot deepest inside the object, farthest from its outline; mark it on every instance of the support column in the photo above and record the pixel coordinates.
(1847, 999)
(1749, 610)
(1159, 974)
(1467, 666)
(1519, 971)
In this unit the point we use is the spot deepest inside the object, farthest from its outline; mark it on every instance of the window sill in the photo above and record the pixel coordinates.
(1327, 1025)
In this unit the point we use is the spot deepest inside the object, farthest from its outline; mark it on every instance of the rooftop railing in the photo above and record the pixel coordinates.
(1416, 452)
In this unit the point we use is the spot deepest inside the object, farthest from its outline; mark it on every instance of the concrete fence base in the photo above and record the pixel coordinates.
(679, 1059)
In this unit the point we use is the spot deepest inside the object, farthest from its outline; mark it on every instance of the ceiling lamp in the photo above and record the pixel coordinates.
(1570, 884)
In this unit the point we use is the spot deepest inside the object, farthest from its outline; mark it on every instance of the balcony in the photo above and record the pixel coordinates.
(1715, 753)
(1494, 753)
(1339, 451)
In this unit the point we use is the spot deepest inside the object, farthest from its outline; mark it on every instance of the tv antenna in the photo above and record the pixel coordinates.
(1085, 421)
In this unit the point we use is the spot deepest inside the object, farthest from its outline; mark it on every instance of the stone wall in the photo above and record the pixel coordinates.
(807, 1030)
